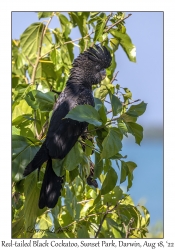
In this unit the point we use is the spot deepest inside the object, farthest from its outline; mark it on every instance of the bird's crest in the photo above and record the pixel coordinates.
(99, 54)
(96, 54)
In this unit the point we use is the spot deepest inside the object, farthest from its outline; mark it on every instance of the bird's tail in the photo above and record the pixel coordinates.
(51, 187)
(40, 157)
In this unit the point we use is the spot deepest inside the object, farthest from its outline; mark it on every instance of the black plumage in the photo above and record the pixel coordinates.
(88, 69)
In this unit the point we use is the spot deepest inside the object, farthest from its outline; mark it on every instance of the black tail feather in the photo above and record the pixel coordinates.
(51, 187)
(40, 157)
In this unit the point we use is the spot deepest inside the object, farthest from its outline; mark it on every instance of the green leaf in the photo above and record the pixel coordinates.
(45, 222)
(94, 13)
(65, 24)
(116, 104)
(74, 157)
(101, 92)
(18, 227)
(109, 182)
(114, 44)
(80, 19)
(127, 118)
(20, 109)
(86, 207)
(82, 232)
(15, 131)
(116, 233)
(127, 171)
(58, 166)
(122, 127)
(107, 165)
(147, 216)
(124, 171)
(20, 60)
(136, 130)
(99, 106)
(45, 100)
(76, 208)
(111, 222)
(31, 209)
(113, 196)
(68, 200)
(55, 56)
(30, 39)
(46, 71)
(137, 110)
(126, 43)
(88, 147)
(23, 151)
(111, 144)
(131, 166)
(73, 174)
(97, 199)
(85, 113)
(98, 166)
(44, 14)
(100, 26)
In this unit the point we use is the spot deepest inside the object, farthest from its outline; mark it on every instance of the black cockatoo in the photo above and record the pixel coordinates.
(88, 69)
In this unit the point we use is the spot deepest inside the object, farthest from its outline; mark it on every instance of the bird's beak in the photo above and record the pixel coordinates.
(103, 74)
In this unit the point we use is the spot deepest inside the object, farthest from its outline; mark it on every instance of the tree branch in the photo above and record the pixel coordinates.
(117, 22)
(114, 78)
(72, 41)
(35, 66)
(104, 217)
(101, 223)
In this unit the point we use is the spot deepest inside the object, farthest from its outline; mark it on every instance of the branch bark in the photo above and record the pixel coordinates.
(39, 50)
(118, 22)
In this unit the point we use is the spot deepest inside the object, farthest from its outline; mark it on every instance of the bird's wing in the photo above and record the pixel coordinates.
(63, 133)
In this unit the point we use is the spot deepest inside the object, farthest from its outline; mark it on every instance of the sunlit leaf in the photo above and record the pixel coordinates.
(116, 104)
(85, 113)
(136, 130)
(30, 39)
(31, 209)
(111, 144)
(44, 14)
(74, 157)
(109, 182)
(126, 43)
(23, 151)
(82, 232)
(137, 110)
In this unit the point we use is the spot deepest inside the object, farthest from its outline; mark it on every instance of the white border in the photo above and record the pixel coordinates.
(169, 121)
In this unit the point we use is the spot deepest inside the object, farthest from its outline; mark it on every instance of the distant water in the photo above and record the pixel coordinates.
(147, 186)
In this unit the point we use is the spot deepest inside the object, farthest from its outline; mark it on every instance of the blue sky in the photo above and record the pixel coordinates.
(145, 77)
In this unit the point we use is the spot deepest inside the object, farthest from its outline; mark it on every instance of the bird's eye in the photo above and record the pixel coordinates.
(97, 67)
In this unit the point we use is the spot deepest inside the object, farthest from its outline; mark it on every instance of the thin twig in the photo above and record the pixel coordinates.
(138, 100)
(117, 22)
(107, 101)
(39, 50)
(30, 62)
(43, 130)
(109, 111)
(101, 223)
(128, 228)
(89, 146)
(72, 41)
(104, 217)
(114, 78)
(108, 18)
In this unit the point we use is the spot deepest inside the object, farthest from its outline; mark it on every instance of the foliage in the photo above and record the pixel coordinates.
(41, 61)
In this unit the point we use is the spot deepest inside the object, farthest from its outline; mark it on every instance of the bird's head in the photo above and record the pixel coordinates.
(91, 64)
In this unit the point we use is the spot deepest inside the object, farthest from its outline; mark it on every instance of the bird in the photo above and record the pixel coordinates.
(87, 69)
